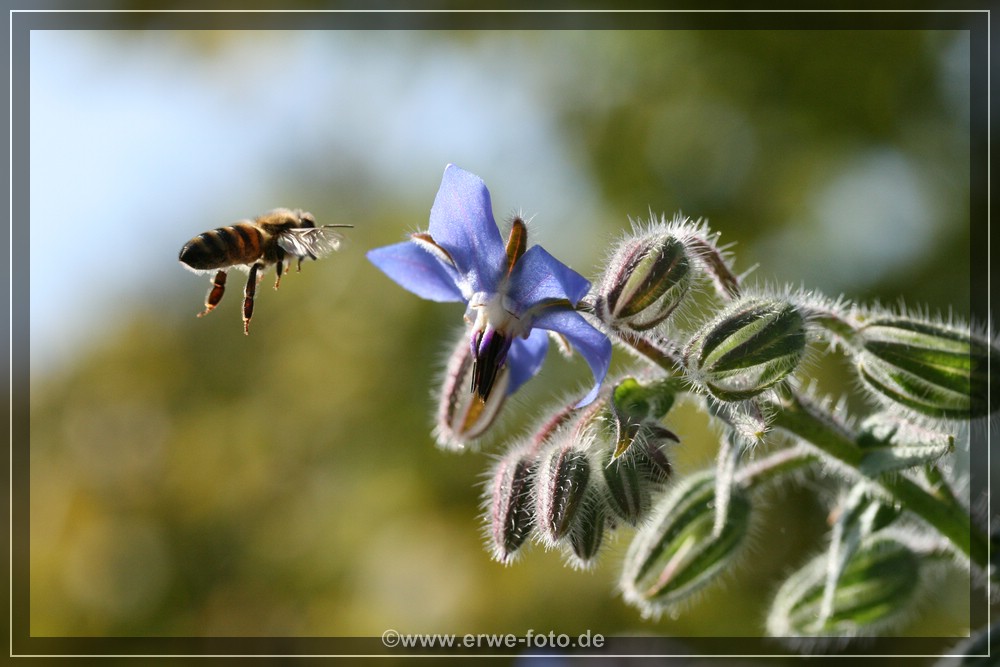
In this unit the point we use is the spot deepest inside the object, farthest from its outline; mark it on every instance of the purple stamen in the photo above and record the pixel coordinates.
(489, 352)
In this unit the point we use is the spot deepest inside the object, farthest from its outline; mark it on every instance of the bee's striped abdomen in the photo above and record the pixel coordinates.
(226, 246)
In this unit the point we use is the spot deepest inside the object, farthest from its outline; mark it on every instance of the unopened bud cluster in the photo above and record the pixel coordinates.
(564, 486)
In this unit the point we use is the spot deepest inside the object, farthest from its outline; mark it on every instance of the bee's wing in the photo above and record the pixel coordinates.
(311, 242)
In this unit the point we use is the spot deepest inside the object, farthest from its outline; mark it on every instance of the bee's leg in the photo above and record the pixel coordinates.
(215, 294)
(277, 278)
(248, 294)
(310, 255)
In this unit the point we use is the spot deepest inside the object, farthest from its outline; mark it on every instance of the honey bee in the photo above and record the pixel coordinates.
(253, 245)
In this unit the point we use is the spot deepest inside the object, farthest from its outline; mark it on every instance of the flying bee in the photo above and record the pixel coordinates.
(252, 245)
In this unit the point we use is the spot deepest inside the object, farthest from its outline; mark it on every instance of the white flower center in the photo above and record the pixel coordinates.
(486, 311)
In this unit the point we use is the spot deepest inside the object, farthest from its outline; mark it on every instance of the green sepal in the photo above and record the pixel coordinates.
(633, 405)
(891, 444)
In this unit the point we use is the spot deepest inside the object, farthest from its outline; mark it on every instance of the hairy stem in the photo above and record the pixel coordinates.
(944, 514)
(727, 283)
(774, 465)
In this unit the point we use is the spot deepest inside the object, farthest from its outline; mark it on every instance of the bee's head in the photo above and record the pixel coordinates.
(306, 220)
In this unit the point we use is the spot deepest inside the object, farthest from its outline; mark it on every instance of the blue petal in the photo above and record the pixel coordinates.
(417, 270)
(525, 357)
(538, 277)
(593, 345)
(462, 223)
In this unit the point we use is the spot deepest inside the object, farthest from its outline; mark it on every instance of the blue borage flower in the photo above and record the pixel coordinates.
(513, 293)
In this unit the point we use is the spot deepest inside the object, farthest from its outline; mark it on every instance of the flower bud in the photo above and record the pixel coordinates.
(752, 346)
(646, 279)
(651, 459)
(933, 369)
(678, 552)
(587, 533)
(631, 480)
(509, 510)
(462, 415)
(628, 491)
(560, 486)
(874, 591)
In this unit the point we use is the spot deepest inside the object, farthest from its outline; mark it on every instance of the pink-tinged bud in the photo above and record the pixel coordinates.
(561, 483)
(647, 278)
(510, 509)
(462, 415)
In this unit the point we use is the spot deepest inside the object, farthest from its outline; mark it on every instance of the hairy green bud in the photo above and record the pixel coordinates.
(678, 552)
(635, 465)
(892, 444)
(874, 590)
(628, 490)
(933, 369)
(750, 347)
(632, 480)
(587, 534)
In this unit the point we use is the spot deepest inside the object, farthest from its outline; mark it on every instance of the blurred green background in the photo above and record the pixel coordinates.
(187, 480)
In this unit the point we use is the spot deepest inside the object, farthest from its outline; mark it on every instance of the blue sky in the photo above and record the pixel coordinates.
(139, 141)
